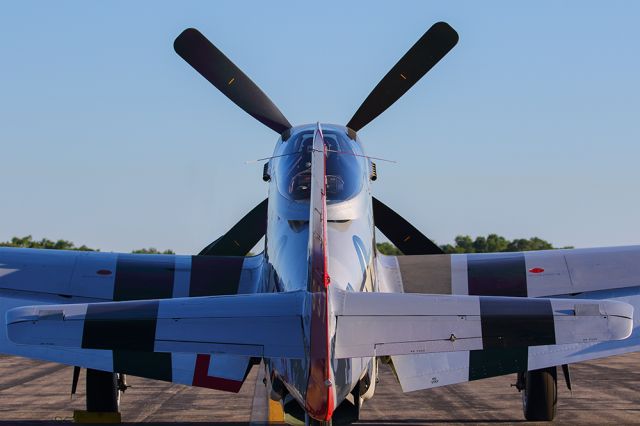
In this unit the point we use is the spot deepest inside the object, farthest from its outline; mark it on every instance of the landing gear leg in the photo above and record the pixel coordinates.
(103, 394)
(540, 394)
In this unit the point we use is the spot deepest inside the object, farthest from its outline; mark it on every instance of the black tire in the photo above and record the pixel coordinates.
(540, 394)
(103, 394)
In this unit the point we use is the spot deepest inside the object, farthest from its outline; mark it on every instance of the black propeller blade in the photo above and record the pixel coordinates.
(243, 236)
(427, 51)
(404, 235)
(194, 48)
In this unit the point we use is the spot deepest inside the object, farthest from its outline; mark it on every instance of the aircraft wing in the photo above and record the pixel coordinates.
(54, 277)
(118, 276)
(599, 273)
(519, 274)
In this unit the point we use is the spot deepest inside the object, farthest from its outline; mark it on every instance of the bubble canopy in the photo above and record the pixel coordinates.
(345, 166)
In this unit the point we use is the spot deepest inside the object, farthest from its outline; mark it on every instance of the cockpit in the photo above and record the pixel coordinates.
(344, 166)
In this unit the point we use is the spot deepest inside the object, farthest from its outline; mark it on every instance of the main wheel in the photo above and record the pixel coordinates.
(540, 394)
(103, 394)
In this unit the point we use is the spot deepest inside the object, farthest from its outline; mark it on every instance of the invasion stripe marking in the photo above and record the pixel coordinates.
(215, 275)
(121, 325)
(153, 277)
(497, 362)
(503, 275)
(459, 274)
(140, 277)
(152, 365)
(497, 274)
(182, 276)
(516, 323)
(533, 325)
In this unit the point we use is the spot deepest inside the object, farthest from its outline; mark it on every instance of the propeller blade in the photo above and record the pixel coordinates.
(242, 236)
(400, 232)
(213, 65)
(427, 51)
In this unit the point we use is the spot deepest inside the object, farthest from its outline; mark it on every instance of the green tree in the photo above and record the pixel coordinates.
(464, 244)
(152, 250)
(480, 245)
(388, 249)
(45, 243)
(29, 242)
(530, 244)
(494, 243)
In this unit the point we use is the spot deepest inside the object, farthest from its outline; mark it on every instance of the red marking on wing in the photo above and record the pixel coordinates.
(202, 379)
(103, 272)
(536, 270)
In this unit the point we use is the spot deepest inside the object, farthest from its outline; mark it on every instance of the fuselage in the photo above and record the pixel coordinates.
(320, 239)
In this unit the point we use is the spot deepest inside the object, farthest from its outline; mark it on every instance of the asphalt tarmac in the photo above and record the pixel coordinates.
(604, 392)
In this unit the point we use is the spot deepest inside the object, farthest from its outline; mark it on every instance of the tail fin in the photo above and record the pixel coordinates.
(320, 397)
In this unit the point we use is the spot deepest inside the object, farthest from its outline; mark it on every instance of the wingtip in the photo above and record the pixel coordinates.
(22, 314)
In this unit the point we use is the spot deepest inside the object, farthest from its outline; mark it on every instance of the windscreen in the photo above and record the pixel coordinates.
(344, 166)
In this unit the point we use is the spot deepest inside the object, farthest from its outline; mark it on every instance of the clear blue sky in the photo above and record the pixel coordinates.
(529, 127)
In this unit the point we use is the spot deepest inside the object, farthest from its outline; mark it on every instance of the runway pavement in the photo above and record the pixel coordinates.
(605, 392)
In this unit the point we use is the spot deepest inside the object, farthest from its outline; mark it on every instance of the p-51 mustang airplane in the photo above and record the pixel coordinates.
(319, 306)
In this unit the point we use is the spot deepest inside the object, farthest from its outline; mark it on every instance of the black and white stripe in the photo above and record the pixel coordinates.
(140, 277)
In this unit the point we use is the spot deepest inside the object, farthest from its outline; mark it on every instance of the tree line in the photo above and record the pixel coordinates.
(45, 243)
(490, 244)
(462, 244)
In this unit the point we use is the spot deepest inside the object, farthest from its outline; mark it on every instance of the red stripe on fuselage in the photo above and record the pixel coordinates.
(319, 399)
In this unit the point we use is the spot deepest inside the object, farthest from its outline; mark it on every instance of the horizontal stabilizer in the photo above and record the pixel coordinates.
(254, 325)
(367, 324)
(378, 324)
